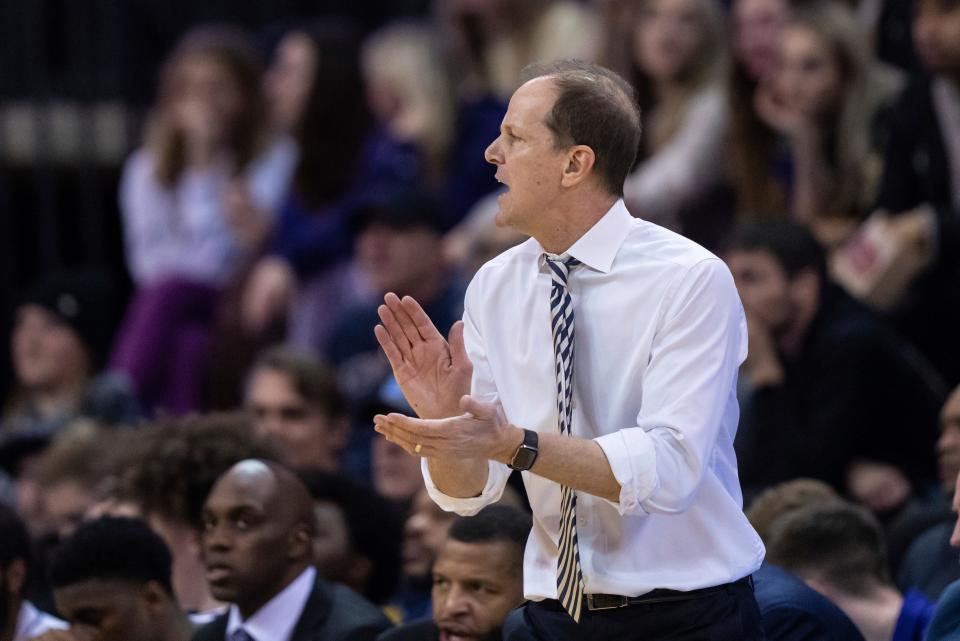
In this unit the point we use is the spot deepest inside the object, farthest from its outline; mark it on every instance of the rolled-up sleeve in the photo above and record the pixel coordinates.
(688, 395)
(482, 386)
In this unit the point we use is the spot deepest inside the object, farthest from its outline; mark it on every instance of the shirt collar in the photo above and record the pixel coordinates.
(599, 245)
(276, 620)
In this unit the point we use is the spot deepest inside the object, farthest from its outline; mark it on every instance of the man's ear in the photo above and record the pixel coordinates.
(154, 596)
(579, 167)
(301, 543)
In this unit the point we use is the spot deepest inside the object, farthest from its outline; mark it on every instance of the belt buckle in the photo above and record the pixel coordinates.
(605, 602)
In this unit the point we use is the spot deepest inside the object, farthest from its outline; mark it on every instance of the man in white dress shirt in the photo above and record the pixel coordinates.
(626, 450)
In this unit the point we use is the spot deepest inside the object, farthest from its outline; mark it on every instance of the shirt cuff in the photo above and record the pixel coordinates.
(633, 460)
(497, 474)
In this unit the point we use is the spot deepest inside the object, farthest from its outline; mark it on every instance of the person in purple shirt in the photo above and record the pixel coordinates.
(838, 549)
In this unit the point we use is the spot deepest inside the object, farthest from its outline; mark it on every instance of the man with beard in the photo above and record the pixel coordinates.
(259, 531)
(477, 578)
(19, 619)
(833, 394)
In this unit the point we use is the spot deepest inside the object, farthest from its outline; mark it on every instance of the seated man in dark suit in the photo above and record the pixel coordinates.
(477, 578)
(111, 581)
(259, 528)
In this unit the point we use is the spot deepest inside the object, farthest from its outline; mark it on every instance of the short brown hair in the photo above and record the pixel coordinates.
(774, 503)
(597, 108)
(835, 542)
(311, 378)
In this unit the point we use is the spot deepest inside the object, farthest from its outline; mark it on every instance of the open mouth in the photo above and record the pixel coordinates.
(218, 573)
(449, 634)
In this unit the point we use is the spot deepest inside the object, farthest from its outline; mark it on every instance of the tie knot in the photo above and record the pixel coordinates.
(560, 267)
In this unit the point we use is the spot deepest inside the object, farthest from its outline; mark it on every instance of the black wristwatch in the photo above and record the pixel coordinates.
(526, 454)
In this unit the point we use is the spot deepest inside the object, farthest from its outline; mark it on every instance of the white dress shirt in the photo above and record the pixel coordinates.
(659, 336)
(276, 620)
(32, 622)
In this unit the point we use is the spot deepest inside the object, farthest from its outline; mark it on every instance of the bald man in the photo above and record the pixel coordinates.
(257, 544)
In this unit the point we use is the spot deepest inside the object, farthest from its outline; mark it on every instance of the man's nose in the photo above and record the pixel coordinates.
(456, 603)
(492, 153)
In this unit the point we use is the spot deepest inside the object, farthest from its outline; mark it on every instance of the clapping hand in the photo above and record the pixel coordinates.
(432, 373)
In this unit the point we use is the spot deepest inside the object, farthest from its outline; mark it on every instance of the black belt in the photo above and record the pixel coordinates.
(613, 601)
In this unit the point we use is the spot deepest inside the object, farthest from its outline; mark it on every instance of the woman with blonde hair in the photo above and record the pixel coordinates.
(207, 136)
(427, 135)
(673, 53)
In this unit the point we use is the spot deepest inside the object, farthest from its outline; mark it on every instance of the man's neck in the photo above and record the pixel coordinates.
(247, 610)
(791, 339)
(875, 616)
(568, 224)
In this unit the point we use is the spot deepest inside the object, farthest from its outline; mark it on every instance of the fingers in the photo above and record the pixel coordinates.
(476, 407)
(425, 327)
(407, 433)
(394, 355)
(458, 350)
(395, 331)
(404, 321)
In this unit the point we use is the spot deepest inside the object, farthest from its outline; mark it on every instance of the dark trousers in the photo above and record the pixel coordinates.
(726, 614)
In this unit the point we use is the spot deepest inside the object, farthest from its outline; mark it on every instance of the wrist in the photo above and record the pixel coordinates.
(509, 444)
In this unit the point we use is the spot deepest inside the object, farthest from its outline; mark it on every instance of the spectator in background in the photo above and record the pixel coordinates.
(819, 372)
(358, 536)
(60, 338)
(492, 41)
(69, 475)
(19, 619)
(822, 103)
(774, 502)
(168, 473)
(317, 103)
(758, 185)
(674, 54)
(789, 609)
(207, 135)
(428, 135)
(906, 260)
(297, 410)
(838, 549)
(394, 474)
(477, 578)
(258, 539)
(59, 342)
(930, 562)
(423, 535)
(111, 581)
(946, 619)
(399, 248)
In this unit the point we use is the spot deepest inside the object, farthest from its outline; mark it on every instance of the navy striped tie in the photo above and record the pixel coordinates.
(569, 574)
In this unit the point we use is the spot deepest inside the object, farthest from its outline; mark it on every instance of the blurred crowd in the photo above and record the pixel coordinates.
(213, 450)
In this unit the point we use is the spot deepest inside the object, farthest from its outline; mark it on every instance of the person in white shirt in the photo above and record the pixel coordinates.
(626, 451)
(19, 619)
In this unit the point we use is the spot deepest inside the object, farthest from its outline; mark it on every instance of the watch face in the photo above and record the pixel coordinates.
(524, 458)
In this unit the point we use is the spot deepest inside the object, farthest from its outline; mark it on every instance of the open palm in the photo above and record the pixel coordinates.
(432, 372)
